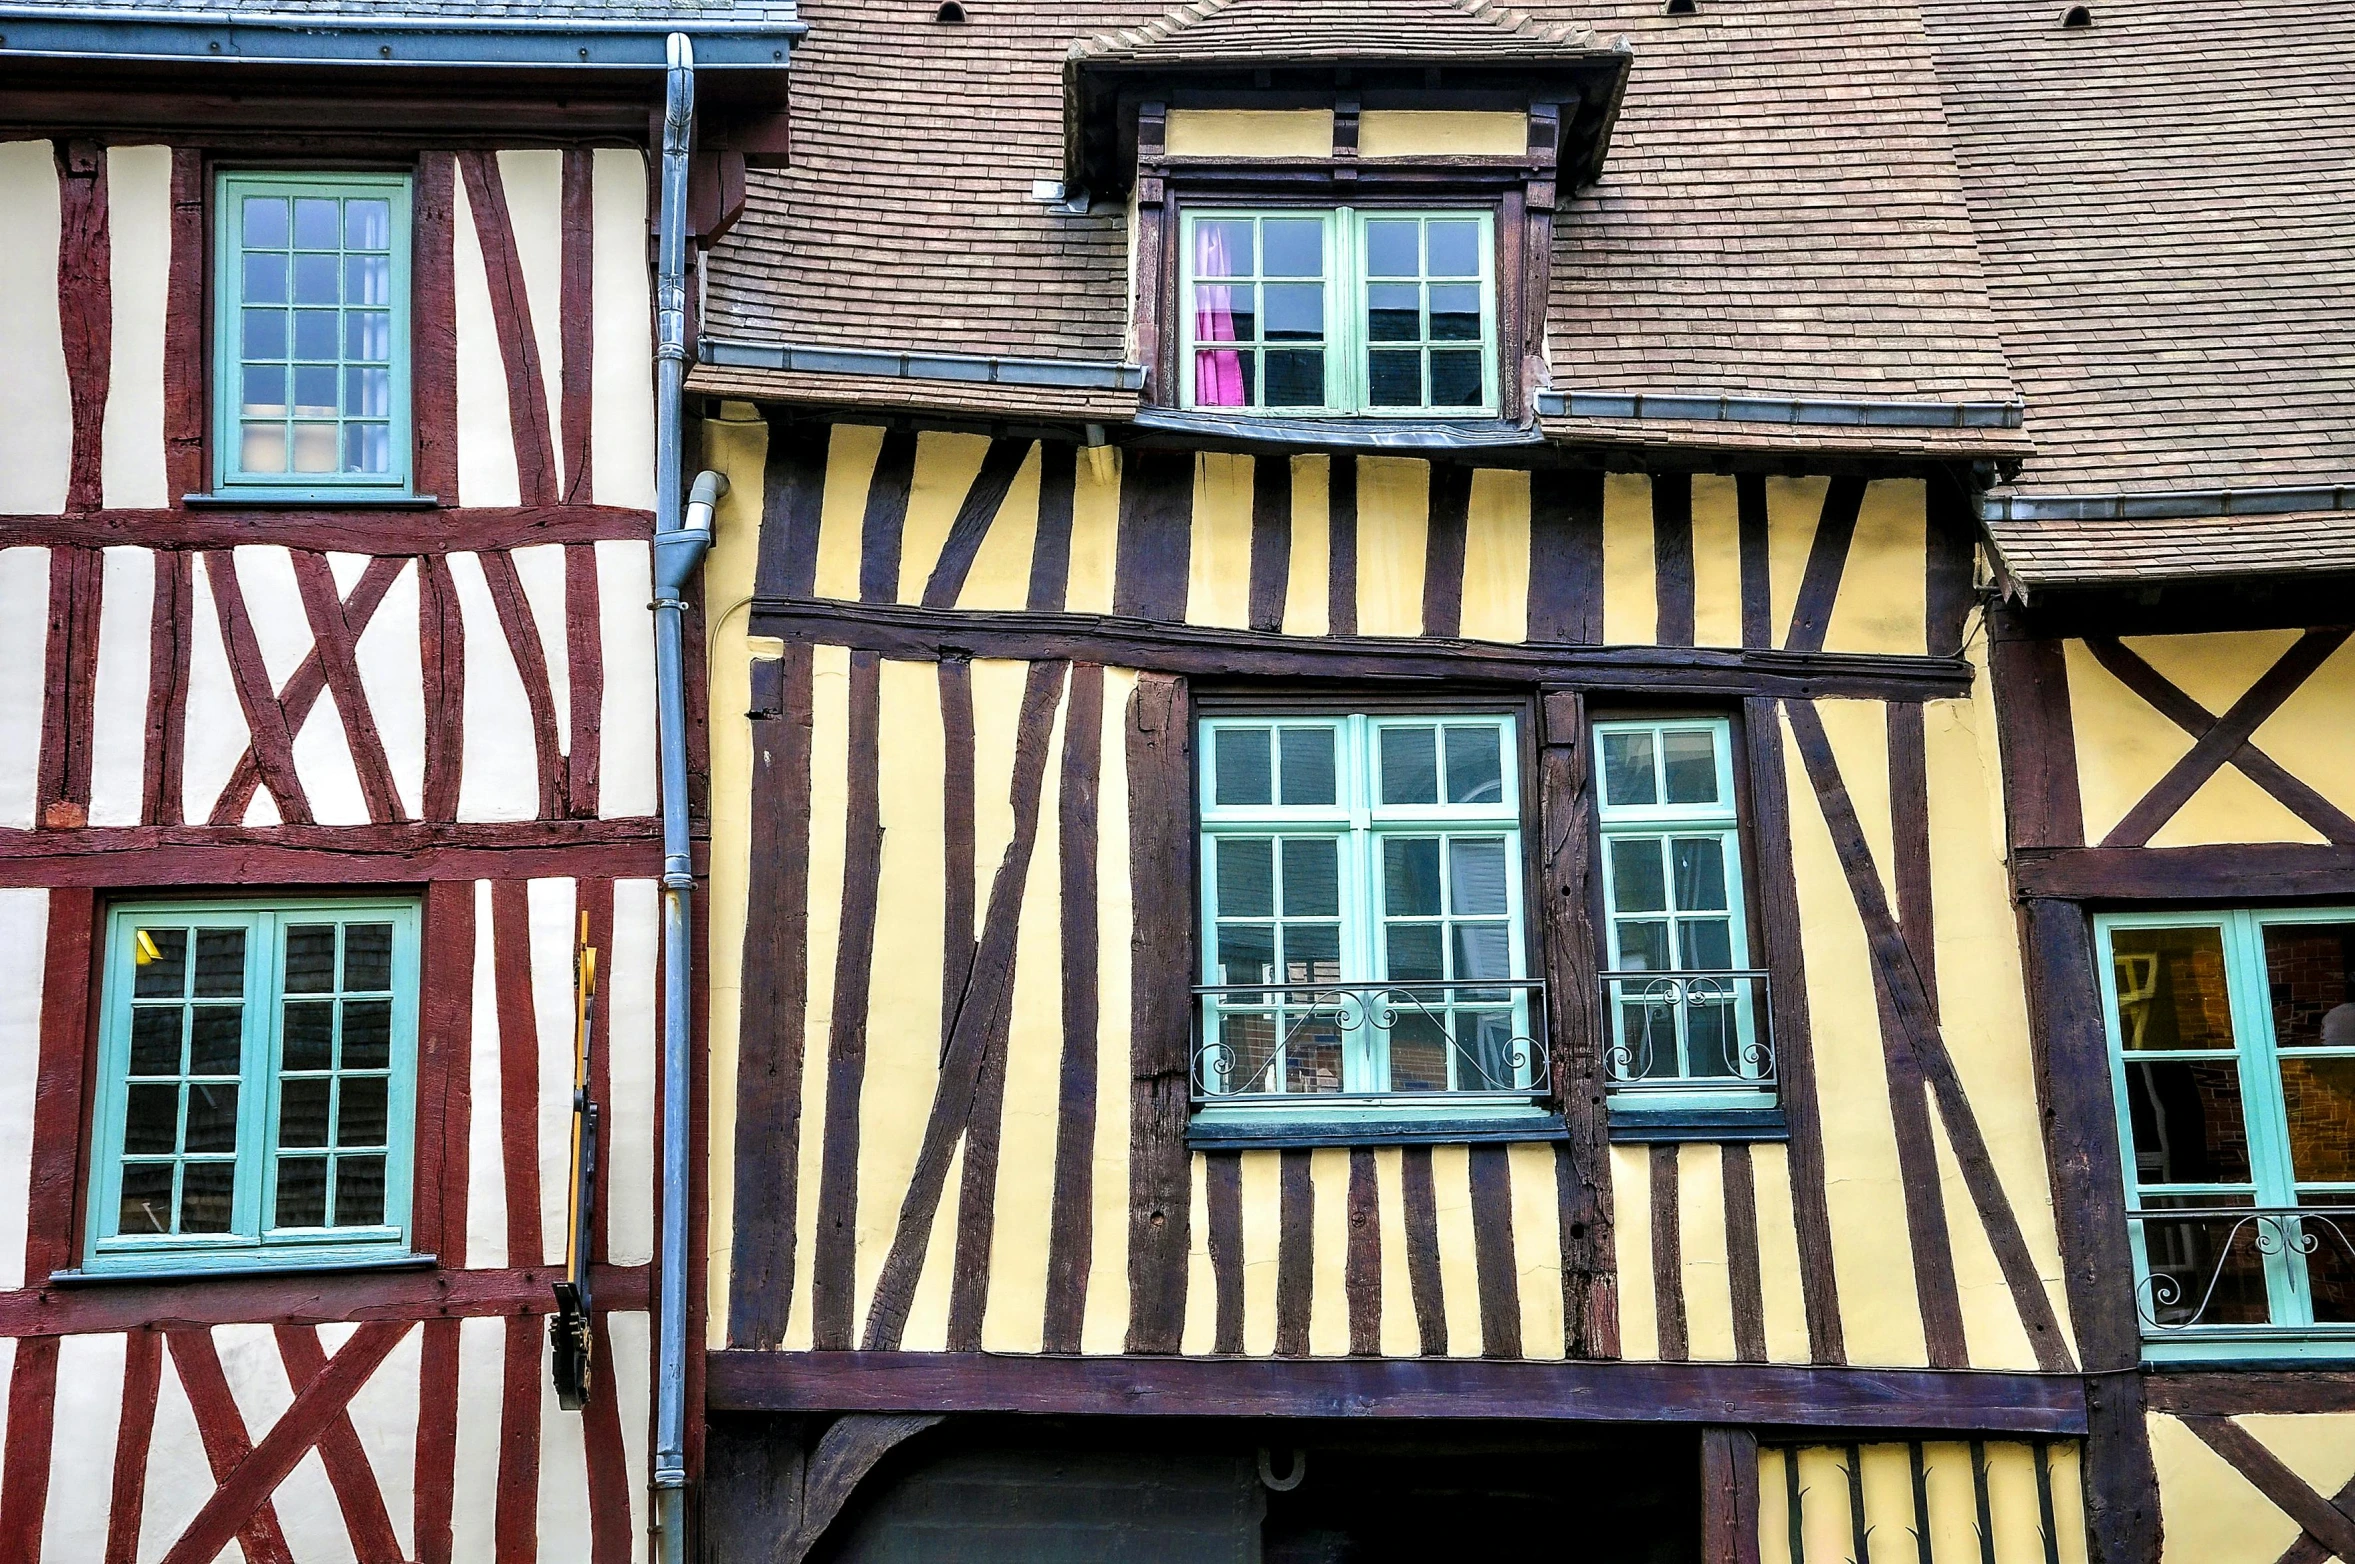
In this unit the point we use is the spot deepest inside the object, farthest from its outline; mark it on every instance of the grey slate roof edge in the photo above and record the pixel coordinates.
(913, 365)
(1738, 407)
(239, 35)
(2176, 505)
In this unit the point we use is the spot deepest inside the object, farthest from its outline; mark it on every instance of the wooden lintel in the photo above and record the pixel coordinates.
(403, 530)
(319, 1298)
(2235, 871)
(199, 855)
(2230, 1393)
(927, 634)
(1752, 1395)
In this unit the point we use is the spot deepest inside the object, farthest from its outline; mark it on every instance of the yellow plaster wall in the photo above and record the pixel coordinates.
(1223, 133)
(1717, 562)
(1708, 1279)
(1441, 133)
(2208, 1512)
(2309, 734)
(1893, 1522)
(1000, 577)
(1219, 564)
(1308, 598)
(1792, 506)
(1631, 600)
(1496, 557)
(1880, 607)
(1393, 541)
(945, 468)
(1104, 1327)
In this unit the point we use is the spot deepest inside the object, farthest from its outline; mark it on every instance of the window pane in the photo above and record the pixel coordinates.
(220, 963)
(1410, 766)
(2171, 991)
(367, 225)
(207, 1191)
(1455, 379)
(1295, 311)
(1691, 763)
(2212, 1260)
(1312, 952)
(314, 280)
(265, 223)
(2187, 1122)
(1410, 876)
(367, 392)
(1637, 884)
(302, 1111)
(265, 333)
(216, 1039)
(1308, 765)
(1484, 1055)
(1394, 312)
(310, 959)
(1413, 951)
(1391, 248)
(165, 974)
(265, 389)
(1418, 1054)
(1700, 873)
(302, 1192)
(367, 1034)
(262, 448)
(1295, 246)
(360, 1116)
(1454, 247)
(1476, 876)
(1708, 944)
(367, 335)
(314, 448)
(1394, 379)
(367, 448)
(2320, 1097)
(212, 1118)
(1483, 950)
(367, 279)
(1222, 247)
(265, 279)
(314, 333)
(1312, 877)
(155, 1039)
(1475, 766)
(2330, 1269)
(1627, 769)
(1246, 953)
(318, 223)
(307, 1035)
(1710, 1045)
(359, 1191)
(2310, 974)
(314, 391)
(1643, 947)
(146, 1205)
(1312, 1055)
(1244, 1059)
(1240, 756)
(151, 1121)
(1295, 378)
(1455, 312)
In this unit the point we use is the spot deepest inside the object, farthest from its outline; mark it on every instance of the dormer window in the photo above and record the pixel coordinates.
(1337, 311)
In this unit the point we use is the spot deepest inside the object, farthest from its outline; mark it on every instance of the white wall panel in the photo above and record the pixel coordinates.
(36, 400)
(82, 1447)
(139, 220)
(486, 1178)
(486, 436)
(215, 731)
(540, 569)
(631, 1005)
(24, 644)
(118, 739)
(392, 672)
(554, 927)
(621, 417)
(384, 1415)
(534, 185)
(625, 585)
(501, 776)
(24, 951)
(482, 1359)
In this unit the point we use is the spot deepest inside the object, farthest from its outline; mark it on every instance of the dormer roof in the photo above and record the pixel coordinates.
(1273, 31)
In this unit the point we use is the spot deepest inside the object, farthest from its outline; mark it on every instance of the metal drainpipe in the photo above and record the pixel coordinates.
(681, 535)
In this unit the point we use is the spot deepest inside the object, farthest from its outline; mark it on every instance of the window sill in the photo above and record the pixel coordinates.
(2251, 1347)
(1405, 1124)
(1373, 432)
(308, 499)
(160, 1268)
(1639, 1126)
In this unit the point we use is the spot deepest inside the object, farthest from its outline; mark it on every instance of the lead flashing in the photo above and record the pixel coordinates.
(972, 369)
(2180, 505)
(1779, 410)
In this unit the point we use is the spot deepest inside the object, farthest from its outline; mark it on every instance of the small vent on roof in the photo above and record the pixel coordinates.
(1681, 8)
(2077, 16)
(949, 11)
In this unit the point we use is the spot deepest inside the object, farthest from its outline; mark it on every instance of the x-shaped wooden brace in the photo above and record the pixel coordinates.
(2218, 740)
(2329, 1523)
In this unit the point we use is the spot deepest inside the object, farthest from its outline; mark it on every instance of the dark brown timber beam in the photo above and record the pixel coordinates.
(2240, 871)
(1773, 1396)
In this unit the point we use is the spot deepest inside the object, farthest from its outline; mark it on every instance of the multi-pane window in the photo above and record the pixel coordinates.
(1340, 311)
(255, 1077)
(312, 280)
(1362, 907)
(2233, 1056)
(1682, 1006)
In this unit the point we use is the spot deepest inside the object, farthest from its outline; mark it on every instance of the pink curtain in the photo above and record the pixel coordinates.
(1218, 374)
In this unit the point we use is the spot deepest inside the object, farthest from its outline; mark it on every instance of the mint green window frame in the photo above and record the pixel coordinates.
(1358, 828)
(294, 319)
(1691, 1040)
(255, 1018)
(2277, 1243)
(1350, 289)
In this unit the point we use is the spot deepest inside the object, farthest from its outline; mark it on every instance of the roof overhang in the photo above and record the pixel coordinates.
(1101, 98)
(378, 42)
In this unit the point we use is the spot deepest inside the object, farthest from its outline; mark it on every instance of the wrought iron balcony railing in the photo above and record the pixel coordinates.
(1333, 1042)
(2222, 1265)
(1687, 1031)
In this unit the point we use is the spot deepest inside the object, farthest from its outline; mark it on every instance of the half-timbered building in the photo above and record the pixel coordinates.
(329, 478)
(1364, 902)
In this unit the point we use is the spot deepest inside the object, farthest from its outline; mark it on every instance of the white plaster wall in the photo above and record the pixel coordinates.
(541, 570)
(554, 927)
(118, 739)
(82, 1446)
(36, 402)
(384, 1415)
(534, 183)
(24, 950)
(24, 643)
(307, 1509)
(139, 222)
(486, 1178)
(564, 1476)
(633, 1364)
(630, 1007)
(392, 673)
(482, 1349)
(178, 1475)
(621, 379)
(486, 437)
(215, 731)
(625, 584)
(500, 779)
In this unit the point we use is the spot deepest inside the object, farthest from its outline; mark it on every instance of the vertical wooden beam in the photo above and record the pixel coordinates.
(2035, 734)
(881, 529)
(1071, 1220)
(1154, 548)
(1050, 553)
(1947, 585)
(1729, 1496)
(1757, 561)
(1295, 1250)
(1271, 540)
(793, 496)
(1160, 742)
(1746, 1278)
(576, 316)
(185, 316)
(1668, 1305)
(1566, 556)
(1362, 1268)
(1443, 560)
(433, 329)
(85, 308)
(1672, 556)
(1341, 547)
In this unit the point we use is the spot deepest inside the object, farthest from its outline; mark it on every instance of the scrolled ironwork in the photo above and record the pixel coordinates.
(1517, 1064)
(1667, 1000)
(2272, 1232)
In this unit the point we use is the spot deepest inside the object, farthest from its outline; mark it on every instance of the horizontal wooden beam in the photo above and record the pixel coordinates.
(151, 856)
(380, 529)
(1201, 651)
(2229, 1393)
(324, 1298)
(1751, 1395)
(2237, 871)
